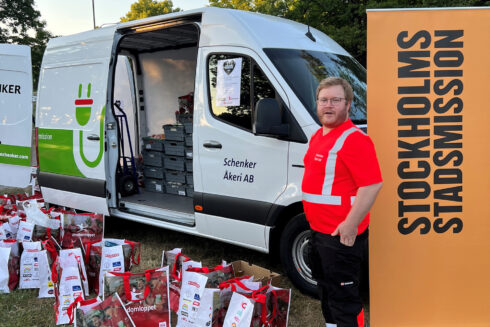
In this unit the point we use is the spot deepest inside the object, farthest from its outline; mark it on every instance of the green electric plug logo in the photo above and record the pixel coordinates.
(83, 111)
(83, 106)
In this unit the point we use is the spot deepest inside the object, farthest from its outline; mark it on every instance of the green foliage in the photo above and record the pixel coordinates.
(149, 8)
(20, 23)
(345, 21)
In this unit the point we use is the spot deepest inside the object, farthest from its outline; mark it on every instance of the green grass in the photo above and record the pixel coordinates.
(23, 308)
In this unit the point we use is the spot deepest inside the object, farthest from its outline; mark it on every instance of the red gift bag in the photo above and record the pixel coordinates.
(80, 228)
(145, 295)
(216, 275)
(93, 258)
(174, 259)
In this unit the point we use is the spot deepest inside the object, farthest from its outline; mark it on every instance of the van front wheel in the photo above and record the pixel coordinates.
(295, 254)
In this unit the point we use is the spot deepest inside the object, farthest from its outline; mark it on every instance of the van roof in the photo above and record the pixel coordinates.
(220, 26)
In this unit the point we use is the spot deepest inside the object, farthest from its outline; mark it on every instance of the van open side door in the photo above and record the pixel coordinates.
(15, 115)
(70, 117)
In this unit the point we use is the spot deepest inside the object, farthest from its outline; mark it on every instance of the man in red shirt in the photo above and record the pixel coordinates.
(341, 181)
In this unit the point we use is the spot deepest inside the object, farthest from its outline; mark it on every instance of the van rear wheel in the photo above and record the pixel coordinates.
(295, 254)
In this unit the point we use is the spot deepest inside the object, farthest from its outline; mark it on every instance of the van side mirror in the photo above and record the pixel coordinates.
(267, 119)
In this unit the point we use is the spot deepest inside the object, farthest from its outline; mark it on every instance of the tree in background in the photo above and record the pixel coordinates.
(148, 8)
(345, 21)
(20, 23)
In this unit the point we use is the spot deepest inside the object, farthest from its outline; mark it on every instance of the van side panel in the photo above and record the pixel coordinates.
(70, 119)
(15, 115)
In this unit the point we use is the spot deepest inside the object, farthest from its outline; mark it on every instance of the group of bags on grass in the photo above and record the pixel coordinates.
(64, 255)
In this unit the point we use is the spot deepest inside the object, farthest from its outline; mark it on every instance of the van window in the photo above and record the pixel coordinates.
(254, 86)
(304, 69)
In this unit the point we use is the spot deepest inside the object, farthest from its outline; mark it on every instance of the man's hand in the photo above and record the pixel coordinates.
(364, 200)
(347, 232)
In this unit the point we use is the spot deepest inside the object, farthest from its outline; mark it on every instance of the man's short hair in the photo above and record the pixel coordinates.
(332, 81)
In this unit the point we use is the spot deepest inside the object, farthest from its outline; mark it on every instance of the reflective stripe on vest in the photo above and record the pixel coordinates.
(326, 197)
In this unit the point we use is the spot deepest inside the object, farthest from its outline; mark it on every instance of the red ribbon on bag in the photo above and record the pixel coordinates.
(88, 246)
(133, 244)
(127, 286)
(174, 268)
(205, 270)
(50, 247)
(71, 308)
(233, 282)
(259, 297)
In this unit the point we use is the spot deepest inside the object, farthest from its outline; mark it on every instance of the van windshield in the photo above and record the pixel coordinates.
(304, 69)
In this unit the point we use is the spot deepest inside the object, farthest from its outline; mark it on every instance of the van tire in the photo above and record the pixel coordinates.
(294, 254)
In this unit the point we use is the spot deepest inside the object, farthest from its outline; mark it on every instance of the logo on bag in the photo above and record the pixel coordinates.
(197, 297)
(142, 309)
(244, 305)
(83, 235)
(76, 288)
(196, 303)
(193, 283)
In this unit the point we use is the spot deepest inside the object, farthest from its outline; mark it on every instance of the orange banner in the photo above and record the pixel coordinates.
(429, 118)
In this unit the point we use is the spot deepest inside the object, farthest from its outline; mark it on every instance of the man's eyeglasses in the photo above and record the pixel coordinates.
(333, 101)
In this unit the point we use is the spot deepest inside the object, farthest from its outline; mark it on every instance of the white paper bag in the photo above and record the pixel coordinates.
(46, 285)
(69, 288)
(24, 233)
(191, 293)
(29, 265)
(4, 270)
(76, 253)
(240, 311)
(112, 260)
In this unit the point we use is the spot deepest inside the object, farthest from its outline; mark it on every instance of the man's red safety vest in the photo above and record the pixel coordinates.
(336, 165)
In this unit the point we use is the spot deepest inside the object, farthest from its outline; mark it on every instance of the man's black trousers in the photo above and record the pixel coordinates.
(336, 268)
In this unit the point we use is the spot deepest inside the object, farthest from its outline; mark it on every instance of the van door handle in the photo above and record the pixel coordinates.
(212, 145)
(93, 137)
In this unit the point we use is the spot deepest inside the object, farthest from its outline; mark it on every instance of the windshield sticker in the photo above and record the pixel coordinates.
(228, 82)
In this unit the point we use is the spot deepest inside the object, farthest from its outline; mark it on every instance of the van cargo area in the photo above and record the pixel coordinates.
(162, 64)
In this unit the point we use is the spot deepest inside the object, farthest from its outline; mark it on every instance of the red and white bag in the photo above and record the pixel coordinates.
(196, 301)
(243, 285)
(13, 263)
(46, 285)
(80, 228)
(69, 287)
(24, 233)
(174, 260)
(4, 270)
(77, 254)
(110, 312)
(109, 255)
(29, 265)
(240, 311)
(145, 295)
(83, 306)
(215, 275)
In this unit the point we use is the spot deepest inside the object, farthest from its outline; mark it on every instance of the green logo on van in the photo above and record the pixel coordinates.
(57, 146)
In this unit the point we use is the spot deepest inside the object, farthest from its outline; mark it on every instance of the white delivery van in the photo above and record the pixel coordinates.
(243, 85)
(15, 115)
